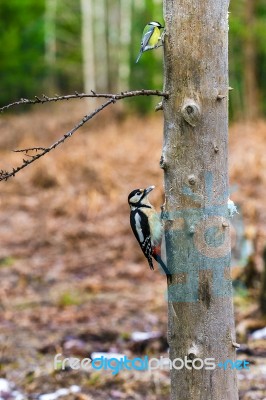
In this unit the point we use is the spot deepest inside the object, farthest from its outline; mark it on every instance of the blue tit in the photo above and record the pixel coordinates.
(150, 37)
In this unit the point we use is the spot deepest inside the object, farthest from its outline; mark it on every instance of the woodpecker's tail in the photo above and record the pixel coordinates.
(140, 53)
(157, 257)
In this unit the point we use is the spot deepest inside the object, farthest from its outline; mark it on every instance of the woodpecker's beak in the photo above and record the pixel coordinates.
(148, 189)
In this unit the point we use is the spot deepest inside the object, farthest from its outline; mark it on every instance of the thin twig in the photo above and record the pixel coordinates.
(45, 99)
(29, 149)
(5, 175)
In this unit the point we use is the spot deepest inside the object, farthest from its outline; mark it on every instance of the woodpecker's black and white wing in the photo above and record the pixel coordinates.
(140, 227)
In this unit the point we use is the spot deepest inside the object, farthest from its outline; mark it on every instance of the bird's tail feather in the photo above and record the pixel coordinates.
(137, 60)
(164, 267)
(150, 263)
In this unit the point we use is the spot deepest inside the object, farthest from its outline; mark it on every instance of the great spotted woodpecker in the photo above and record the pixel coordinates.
(146, 225)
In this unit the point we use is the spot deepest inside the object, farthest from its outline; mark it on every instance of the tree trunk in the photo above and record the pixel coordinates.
(195, 162)
(113, 41)
(251, 89)
(125, 40)
(50, 43)
(100, 40)
(87, 46)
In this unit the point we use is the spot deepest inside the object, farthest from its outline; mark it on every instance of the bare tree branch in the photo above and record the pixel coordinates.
(76, 95)
(5, 175)
(41, 151)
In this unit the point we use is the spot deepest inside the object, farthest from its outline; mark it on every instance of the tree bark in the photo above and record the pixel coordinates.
(195, 163)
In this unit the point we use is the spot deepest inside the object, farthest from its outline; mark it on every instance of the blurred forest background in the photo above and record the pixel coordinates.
(73, 279)
(63, 46)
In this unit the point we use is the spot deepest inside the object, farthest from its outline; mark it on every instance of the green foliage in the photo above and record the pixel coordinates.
(6, 261)
(68, 66)
(69, 298)
(24, 72)
(22, 48)
(236, 62)
(238, 34)
(260, 34)
(148, 73)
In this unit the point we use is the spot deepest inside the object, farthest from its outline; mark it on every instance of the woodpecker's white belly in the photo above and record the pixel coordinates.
(155, 227)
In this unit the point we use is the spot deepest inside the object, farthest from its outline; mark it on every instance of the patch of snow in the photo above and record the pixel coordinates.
(232, 210)
(140, 336)
(59, 393)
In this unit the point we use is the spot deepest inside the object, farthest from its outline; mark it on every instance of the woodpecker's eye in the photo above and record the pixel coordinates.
(135, 196)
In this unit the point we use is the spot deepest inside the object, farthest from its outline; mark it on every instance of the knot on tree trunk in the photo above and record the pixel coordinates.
(191, 112)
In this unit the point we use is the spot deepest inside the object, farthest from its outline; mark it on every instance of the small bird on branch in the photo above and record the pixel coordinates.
(146, 226)
(150, 37)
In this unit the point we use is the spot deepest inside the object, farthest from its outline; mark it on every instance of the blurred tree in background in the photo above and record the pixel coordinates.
(59, 46)
(247, 53)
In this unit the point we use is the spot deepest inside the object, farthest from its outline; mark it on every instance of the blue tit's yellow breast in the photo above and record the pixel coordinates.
(154, 37)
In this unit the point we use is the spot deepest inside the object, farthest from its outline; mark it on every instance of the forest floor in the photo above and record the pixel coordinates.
(73, 280)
